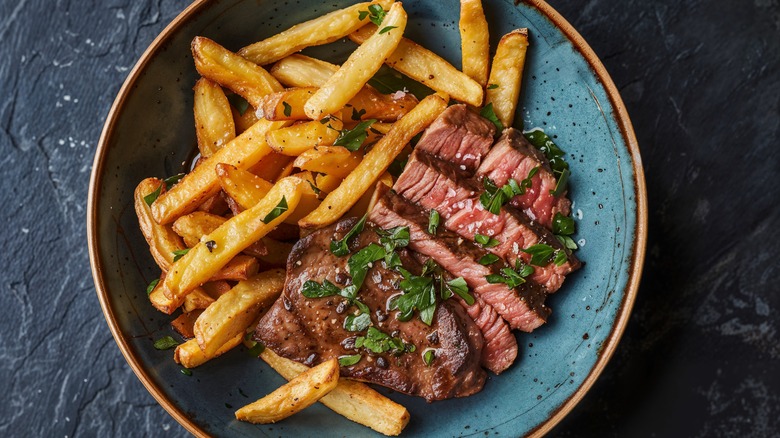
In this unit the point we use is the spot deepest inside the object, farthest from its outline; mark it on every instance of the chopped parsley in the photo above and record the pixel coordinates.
(360, 262)
(488, 259)
(173, 180)
(287, 109)
(380, 342)
(375, 13)
(542, 253)
(494, 197)
(488, 113)
(485, 241)
(165, 343)
(341, 247)
(179, 253)
(563, 227)
(429, 356)
(357, 323)
(151, 197)
(353, 138)
(511, 277)
(312, 289)
(392, 239)
(349, 360)
(151, 286)
(277, 211)
(389, 81)
(186, 372)
(239, 103)
(433, 221)
(554, 155)
(387, 29)
(492, 86)
(168, 182)
(420, 292)
(256, 349)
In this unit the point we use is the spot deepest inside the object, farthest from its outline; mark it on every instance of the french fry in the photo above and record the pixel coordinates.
(161, 302)
(214, 124)
(195, 300)
(189, 354)
(474, 40)
(243, 152)
(286, 170)
(269, 167)
(322, 30)
(191, 227)
(243, 186)
(162, 239)
(375, 163)
(184, 323)
(332, 160)
(372, 104)
(287, 104)
(506, 75)
(294, 396)
(206, 258)
(234, 311)
(216, 289)
(353, 400)
(244, 121)
(364, 204)
(427, 68)
(361, 65)
(303, 71)
(296, 139)
(224, 67)
(328, 183)
(239, 268)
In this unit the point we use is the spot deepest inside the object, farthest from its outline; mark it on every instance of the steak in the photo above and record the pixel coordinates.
(523, 307)
(514, 157)
(459, 136)
(436, 184)
(311, 330)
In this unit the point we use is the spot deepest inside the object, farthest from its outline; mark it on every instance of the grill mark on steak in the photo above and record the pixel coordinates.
(310, 330)
(459, 136)
(436, 184)
(523, 308)
(514, 157)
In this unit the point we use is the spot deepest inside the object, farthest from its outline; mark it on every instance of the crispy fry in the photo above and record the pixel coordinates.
(216, 289)
(184, 323)
(214, 204)
(353, 400)
(243, 152)
(321, 30)
(328, 183)
(507, 74)
(244, 121)
(269, 167)
(303, 71)
(331, 160)
(224, 67)
(197, 299)
(474, 40)
(234, 311)
(243, 186)
(296, 139)
(232, 237)
(239, 268)
(294, 396)
(287, 104)
(364, 204)
(161, 302)
(189, 354)
(214, 125)
(375, 163)
(191, 227)
(162, 239)
(427, 68)
(361, 65)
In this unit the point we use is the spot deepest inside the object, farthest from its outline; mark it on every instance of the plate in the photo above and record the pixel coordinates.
(566, 91)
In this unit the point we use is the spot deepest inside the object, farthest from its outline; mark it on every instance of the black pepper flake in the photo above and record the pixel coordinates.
(287, 303)
(341, 278)
(341, 308)
(211, 245)
(433, 338)
(381, 362)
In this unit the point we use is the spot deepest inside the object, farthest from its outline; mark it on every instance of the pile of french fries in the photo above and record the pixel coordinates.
(270, 172)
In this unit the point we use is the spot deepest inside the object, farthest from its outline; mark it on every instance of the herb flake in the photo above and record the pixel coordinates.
(489, 113)
(341, 247)
(433, 221)
(353, 138)
(349, 360)
(165, 343)
(151, 286)
(179, 253)
(277, 211)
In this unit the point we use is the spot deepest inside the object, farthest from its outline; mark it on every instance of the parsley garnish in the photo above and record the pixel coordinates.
(375, 13)
(563, 227)
(433, 221)
(165, 343)
(151, 197)
(379, 342)
(541, 254)
(485, 241)
(168, 182)
(256, 349)
(173, 180)
(186, 372)
(387, 29)
(429, 356)
(508, 276)
(356, 115)
(392, 239)
(419, 294)
(389, 81)
(238, 103)
(314, 188)
(349, 360)
(360, 262)
(287, 109)
(494, 197)
(459, 287)
(340, 247)
(357, 323)
(353, 138)
(560, 258)
(488, 259)
(312, 289)
(492, 86)
(554, 155)
(280, 208)
(488, 113)
(151, 286)
(179, 253)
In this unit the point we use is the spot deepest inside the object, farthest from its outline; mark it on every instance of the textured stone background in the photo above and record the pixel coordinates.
(701, 80)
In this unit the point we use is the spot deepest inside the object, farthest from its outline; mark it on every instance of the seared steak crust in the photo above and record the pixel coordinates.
(459, 136)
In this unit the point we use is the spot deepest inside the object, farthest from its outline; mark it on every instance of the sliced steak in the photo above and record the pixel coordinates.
(514, 157)
(523, 307)
(311, 330)
(436, 184)
(459, 136)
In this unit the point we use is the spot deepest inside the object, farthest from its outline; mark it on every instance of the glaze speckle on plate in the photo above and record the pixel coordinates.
(565, 92)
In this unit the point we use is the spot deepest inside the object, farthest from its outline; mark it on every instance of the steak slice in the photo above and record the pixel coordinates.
(311, 330)
(459, 136)
(436, 184)
(523, 308)
(514, 157)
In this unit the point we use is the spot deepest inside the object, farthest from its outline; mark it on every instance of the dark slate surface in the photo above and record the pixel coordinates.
(701, 355)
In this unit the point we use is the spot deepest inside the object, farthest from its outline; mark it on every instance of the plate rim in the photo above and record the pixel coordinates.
(638, 251)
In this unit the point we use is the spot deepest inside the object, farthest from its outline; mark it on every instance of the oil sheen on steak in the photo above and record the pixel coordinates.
(311, 330)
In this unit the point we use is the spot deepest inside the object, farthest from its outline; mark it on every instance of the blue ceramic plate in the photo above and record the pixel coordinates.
(566, 91)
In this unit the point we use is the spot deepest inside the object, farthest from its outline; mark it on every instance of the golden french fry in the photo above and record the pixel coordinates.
(162, 239)
(328, 183)
(214, 124)
(303, 71)
(234, 311)
(375, 163)
(286, 170)
(224, 67)
(189, 354)
(270, 167)
(427, 68)
(321, 30)
(206, 258)
(216, 289)
(191, 227)
(244, 121)
(239, 268)
(382, 128)
(184, 323)
(243, 186)
(353, 400)
(243, 152)
(507, 74)
(474, 40)
(294, 396)
(296, 139)
(331, 160)
(364, 204)
(287, 104)
(161, 302)
(197, 299)
(361, 65)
